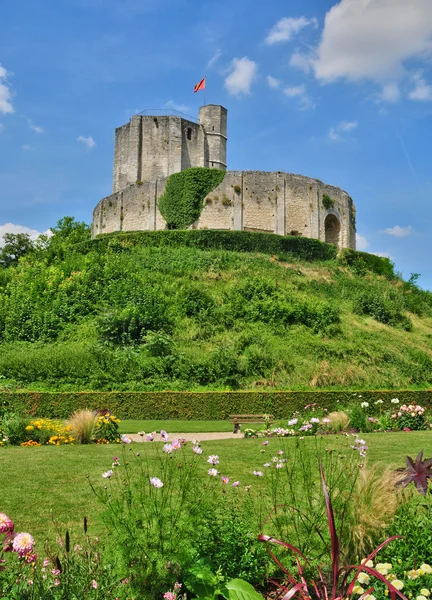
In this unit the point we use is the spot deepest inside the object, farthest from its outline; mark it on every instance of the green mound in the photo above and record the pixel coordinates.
(174, 310)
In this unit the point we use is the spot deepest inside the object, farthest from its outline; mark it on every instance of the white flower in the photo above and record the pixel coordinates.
(398, 584)
(379, 402)
(258, 473)
(213, 459)
(292, 422)
(357, 589)
(108, 474)
(167, 448)
(212, 472)
(363, 578)
(196, 450)
(156, 482)
(364, 404)
(395, 401)
(368, 563)
(314, 420)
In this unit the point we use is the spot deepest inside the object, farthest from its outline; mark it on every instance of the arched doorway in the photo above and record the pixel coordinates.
(332, 229)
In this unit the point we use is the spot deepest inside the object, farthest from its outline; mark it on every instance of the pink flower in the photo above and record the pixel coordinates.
(56, 581)
(108, 474)
(30, 558)
(6, 524)
(125, 439)
(94, 584)
(177, 586)
(280, 452)
(258, 473)
(150, 436)
(236, 484)
(265, 443)
(164, 435)
(168, 448)
(176, 445)
(55, 572)
(23, 544)
(196, 449)
(279, 466)
(156, 482)
(225, 480)
(46, 562)
(169, 596)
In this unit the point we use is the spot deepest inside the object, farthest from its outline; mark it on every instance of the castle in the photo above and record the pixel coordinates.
(150, 148)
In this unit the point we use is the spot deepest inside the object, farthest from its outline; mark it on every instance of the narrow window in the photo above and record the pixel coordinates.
(213, 128)
(189, 133)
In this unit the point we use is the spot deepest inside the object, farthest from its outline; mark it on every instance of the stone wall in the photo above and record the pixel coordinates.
(272, 202)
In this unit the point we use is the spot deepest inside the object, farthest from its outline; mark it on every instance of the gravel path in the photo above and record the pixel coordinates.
(202, 437)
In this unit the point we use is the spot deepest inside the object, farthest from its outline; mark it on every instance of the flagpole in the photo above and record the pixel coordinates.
(205, 86)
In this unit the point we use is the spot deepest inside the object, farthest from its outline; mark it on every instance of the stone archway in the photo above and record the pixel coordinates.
(332, 229)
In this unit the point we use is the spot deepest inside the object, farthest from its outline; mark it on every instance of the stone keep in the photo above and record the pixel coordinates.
(150, 148)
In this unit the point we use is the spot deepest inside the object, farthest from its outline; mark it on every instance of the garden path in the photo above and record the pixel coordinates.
(202, 437)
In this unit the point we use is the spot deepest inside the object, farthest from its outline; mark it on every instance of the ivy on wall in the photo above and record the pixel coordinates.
(327, 201)
(183, 199)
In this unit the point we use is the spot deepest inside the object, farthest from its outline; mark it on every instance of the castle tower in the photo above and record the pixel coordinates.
(213, 119)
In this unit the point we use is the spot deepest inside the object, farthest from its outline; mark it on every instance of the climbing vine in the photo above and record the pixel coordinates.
(183, 199)
(327, 201)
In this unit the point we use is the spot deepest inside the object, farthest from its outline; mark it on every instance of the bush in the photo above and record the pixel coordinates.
(382, 308)
(183, 199)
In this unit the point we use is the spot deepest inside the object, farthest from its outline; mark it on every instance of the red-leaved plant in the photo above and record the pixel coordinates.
(343, 578)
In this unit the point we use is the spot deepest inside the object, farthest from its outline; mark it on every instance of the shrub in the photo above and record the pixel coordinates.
(381, 308)
(339, 421)
(327, 201)
(82, 424)
(183, 199)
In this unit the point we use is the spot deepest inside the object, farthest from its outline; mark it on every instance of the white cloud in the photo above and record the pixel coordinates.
(273, 82)
(12, 228)
(34, 127)
(5, 93)
(390, 92)
(383, 255)
(373, 38)
(422, 90)
(88, 142)
(339, 133)
(361, 242)
(243, 72)
(286, 27)
(213, 60)
(301, 61)
(398, 231)
(184, 108)
(297, 90)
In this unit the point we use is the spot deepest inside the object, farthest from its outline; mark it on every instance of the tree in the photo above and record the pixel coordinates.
(15, 246)
(67, 232)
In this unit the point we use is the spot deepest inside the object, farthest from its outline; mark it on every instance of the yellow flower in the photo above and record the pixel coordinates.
(382, 568)
(425, 592)
(357, 589)
(363, 578)
(370, 597)
(391, 577)
(398, 584)
(368, 563)
(426, 568)
(29, 428)
(421, 598)
(386, 592)
(412, 574)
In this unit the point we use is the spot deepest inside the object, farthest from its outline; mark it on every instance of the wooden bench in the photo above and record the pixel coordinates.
(238, 420)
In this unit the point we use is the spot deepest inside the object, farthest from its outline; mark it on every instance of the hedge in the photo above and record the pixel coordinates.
(199, 406)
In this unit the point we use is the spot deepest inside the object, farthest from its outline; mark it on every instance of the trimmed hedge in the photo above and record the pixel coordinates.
(201, 406)
(303, 248)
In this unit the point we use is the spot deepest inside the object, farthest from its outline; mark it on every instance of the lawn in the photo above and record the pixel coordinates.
(130, 426)
(47, 483)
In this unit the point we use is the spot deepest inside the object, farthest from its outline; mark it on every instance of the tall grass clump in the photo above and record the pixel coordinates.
(82, 425)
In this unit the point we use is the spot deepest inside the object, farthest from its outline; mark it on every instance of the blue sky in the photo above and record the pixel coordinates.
(340, 90)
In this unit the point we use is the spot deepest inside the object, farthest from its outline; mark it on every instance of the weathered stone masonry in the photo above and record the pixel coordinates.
(149, 149)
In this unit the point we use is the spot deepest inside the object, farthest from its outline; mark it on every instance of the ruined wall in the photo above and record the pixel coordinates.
(152, 147)
(274, 202)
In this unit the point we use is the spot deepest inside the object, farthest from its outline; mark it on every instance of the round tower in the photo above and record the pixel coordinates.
(213, 119)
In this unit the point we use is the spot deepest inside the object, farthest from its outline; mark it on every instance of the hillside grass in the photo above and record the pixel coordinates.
(47, 486)
(146, 318)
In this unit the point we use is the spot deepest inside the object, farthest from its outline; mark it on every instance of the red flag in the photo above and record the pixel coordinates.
(200, 86)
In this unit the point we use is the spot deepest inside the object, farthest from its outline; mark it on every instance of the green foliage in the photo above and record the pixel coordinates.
(362, 262)
(381, 307)
(183, 199)
(327, 201)
(205, 406)
(15, 245)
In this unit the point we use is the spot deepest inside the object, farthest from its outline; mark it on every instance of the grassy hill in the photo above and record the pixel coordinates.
(140, 312)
